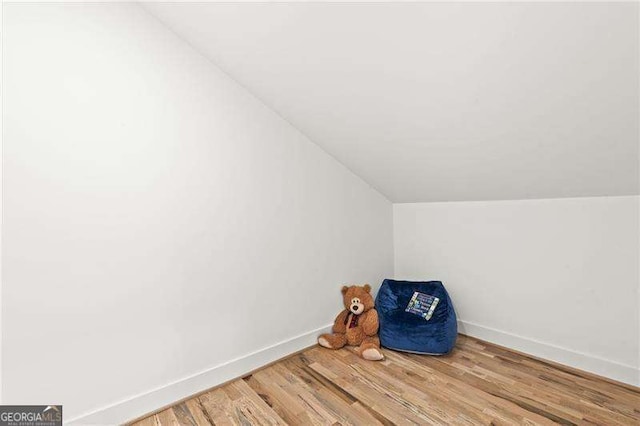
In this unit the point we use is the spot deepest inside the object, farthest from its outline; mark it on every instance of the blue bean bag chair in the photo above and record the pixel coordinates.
(405, 331)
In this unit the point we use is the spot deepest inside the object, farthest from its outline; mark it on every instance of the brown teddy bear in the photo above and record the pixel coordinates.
(356, 325)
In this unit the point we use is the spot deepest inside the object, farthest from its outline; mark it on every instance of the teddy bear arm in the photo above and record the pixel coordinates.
(370, 324)
(339, 325)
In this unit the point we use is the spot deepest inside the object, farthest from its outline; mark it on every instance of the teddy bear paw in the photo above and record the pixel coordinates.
(324, 343)
(372, 354)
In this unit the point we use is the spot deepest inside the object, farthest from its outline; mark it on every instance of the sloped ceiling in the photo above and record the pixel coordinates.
(443, 101)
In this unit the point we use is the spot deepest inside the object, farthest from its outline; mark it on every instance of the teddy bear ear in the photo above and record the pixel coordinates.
(367, 288)
(344, 289)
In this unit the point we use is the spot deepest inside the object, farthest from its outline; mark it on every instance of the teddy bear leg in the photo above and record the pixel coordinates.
(332, 341)
(370, 349)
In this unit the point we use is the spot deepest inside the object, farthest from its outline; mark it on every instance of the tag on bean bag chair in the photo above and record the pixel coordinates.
(422, 304)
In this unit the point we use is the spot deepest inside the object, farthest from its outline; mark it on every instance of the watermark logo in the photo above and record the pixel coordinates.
(30, 415)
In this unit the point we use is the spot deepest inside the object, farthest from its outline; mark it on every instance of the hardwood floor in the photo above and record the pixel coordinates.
(478, 383)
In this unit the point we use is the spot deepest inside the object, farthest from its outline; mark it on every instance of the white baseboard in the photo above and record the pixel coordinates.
(138, 405)
(613, 370)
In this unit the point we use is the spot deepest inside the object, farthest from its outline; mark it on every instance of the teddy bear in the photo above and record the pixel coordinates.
(356, 325)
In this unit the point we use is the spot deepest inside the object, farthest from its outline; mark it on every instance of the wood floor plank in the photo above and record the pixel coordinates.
(318, 396)
(198, 413)
(167, 418)
(572, 377)
(348, 408)
(219, 408)
(455, 397)
(231, 405)
(379, 394)
(583, 402)
(147, 421)
(477, 384)
(489, 402)
(514, 393)
(297, 406)
(454, 404)
(252, 401)
(267, 397)
(183, 415)
(427, 399)
(577, 403)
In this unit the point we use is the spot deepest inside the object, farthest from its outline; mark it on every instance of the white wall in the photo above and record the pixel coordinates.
(556, 278)
(158, 220)
(1, 186)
